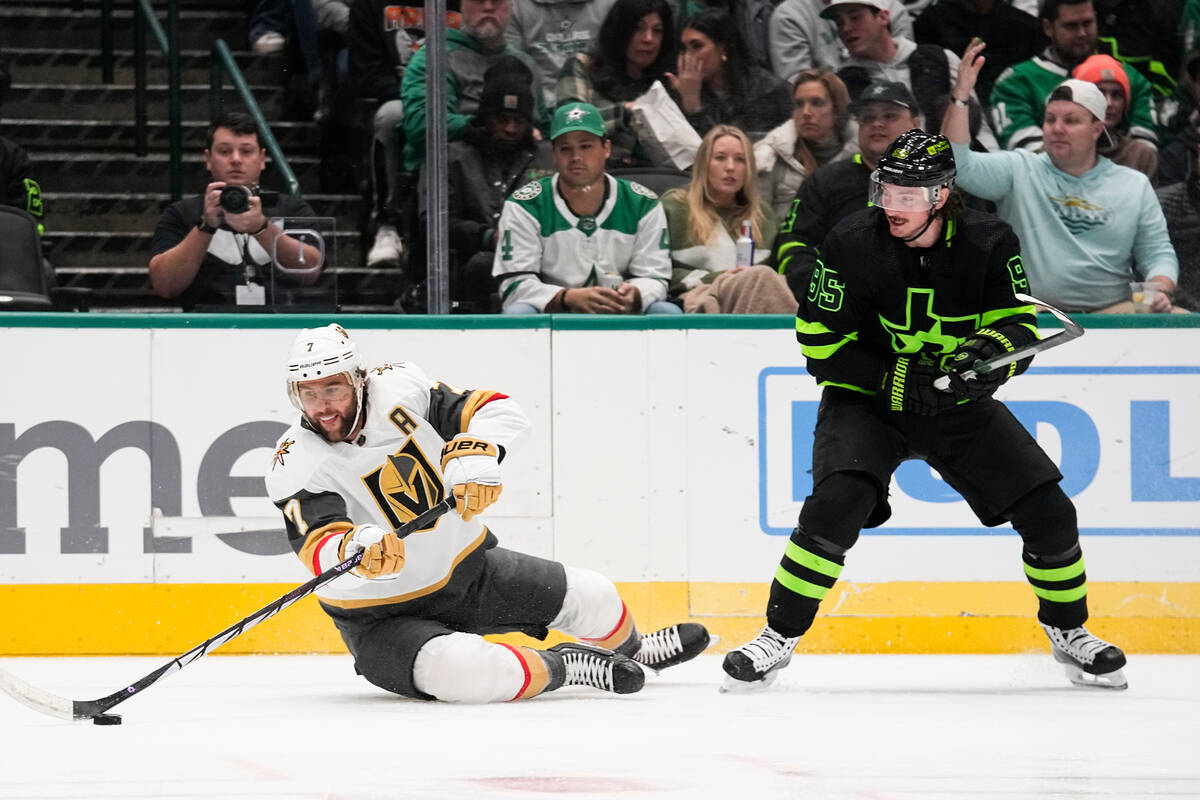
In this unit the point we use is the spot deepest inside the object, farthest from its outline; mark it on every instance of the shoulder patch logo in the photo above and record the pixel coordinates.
(528, 191)
(284, 449)
(637, 188)
(382, 368)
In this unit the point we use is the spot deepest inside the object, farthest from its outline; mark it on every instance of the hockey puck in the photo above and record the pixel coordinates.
(106, 719)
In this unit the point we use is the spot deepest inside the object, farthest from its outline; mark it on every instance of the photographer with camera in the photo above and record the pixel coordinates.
(215, 249)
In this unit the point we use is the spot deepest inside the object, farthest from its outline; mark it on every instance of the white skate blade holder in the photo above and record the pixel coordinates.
(1109, 680)
(732, 685)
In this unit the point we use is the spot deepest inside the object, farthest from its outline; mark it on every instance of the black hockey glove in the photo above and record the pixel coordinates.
(908, 386)
(985, 343)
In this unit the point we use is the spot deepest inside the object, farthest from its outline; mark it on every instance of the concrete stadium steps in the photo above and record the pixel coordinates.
(102, 171)
(56, 65)
(111, 249)
(116, 102)
(360, 290)
(118, 136)
(139, 211)
(44, 25)
(102, 200)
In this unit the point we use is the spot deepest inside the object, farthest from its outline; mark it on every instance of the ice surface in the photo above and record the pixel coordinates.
(871, 727)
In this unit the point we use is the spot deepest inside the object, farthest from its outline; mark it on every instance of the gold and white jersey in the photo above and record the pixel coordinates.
(388, 475)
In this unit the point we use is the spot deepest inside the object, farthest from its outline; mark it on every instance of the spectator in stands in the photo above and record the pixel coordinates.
(875, 54)
(469, 52)
(818, 132)
(717, 86)
(496, 155)
(838, 189)
(1087, 226)
(1119, 147)
(1145, 35)
(707, 218)
(382, 38)
(206, 255)
(800, 38)
(1178, 128)
(1012, 35)
(268, 27)
(581, 240)
(1181, 208)
(21, 190)
(635, 48)
(552, 31)
(1019, 95)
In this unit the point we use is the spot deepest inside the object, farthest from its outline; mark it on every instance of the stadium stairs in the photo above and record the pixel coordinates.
(102, 200)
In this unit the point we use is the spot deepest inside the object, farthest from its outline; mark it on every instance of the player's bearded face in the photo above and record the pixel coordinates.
(329, 404)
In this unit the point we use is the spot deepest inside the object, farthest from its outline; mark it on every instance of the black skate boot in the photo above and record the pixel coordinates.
(756, 664)
(588, 665)
(1089, 661)
(671, 646)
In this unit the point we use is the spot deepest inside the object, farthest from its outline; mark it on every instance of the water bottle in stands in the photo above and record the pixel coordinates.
(745, 246)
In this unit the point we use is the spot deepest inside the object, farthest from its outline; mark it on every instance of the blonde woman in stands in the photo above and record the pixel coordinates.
(706, 219)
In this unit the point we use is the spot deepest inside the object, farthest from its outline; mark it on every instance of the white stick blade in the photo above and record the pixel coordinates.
(35, 698)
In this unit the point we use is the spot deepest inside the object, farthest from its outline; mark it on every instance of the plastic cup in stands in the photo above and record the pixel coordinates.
(1142, 293)
(609, 280)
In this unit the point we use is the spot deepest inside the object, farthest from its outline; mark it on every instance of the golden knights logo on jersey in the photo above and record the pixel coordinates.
(406, 485)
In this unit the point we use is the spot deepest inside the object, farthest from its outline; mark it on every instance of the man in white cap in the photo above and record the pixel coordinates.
(877, 53)
(1088, 227)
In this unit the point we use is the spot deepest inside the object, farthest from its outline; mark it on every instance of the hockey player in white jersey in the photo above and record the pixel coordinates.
(372, 450)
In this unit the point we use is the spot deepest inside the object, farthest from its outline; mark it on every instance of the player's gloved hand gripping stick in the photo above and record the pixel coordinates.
(1071, 330)
(61, 707)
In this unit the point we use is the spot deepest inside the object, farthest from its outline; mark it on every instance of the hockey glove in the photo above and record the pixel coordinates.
(985, 343)
(908, 386)
(384, 551)
(471, 468)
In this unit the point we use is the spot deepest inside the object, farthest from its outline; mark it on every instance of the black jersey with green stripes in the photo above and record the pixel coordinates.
(871, 297)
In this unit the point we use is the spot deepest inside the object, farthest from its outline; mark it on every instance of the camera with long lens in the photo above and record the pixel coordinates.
(235, 197)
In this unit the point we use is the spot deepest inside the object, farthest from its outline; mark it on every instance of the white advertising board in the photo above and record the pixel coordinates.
(667, 455)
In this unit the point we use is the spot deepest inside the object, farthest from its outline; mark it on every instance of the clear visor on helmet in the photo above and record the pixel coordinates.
(308, 393)
(891, 197)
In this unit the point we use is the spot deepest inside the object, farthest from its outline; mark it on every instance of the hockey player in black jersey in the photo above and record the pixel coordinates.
(911, 289)
(374, 448)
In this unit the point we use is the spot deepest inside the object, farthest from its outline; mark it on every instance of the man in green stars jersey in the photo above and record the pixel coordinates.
(581, 240)
(907, 291)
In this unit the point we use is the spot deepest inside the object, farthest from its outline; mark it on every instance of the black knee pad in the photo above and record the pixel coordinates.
(1047, 522)
(837, 509)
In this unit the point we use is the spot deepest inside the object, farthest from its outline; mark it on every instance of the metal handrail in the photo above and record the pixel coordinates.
(143, 18)
(223, 61)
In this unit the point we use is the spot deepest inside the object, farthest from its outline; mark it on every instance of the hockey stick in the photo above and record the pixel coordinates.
(55, 706)
(1071, 330)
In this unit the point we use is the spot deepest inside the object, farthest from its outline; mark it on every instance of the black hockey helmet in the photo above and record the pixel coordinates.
(918, 158)
(921, 164)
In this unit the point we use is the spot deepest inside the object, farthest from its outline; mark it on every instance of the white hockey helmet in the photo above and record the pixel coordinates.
(320, 352)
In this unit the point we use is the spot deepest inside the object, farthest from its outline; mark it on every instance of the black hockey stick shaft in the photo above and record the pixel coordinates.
(89, 709)
(1071, 330)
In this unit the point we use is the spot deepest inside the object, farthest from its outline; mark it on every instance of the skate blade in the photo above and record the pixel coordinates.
(732, 685)
(1109, 680)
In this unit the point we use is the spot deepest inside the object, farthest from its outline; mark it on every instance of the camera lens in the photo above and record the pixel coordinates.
(235, 199)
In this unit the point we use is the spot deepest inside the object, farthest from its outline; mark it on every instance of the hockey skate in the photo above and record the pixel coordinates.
(588, 665)
(671, 646)
(756, 664)
(1089, 661)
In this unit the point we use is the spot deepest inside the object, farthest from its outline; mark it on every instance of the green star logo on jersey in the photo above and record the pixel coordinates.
(922, 329)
